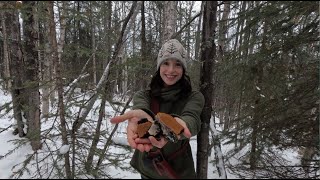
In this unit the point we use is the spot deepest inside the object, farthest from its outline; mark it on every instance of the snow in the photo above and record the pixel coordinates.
(64, 149)
(11, 159)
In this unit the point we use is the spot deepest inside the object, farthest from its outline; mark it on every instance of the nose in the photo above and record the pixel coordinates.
(171, 67)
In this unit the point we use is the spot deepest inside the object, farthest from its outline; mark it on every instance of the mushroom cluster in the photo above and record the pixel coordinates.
(163, 125)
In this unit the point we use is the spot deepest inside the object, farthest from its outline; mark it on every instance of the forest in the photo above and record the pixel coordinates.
(256, 62)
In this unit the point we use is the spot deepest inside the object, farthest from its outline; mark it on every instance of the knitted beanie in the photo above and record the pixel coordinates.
(172, 49)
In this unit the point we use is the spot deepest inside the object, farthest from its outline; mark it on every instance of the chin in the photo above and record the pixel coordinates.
(170, 83)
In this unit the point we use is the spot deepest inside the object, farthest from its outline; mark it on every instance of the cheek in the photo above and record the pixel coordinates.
(161, 71)
(180, 70)
(161, 74)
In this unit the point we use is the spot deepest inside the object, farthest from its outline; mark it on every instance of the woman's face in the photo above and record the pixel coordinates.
(171, 71)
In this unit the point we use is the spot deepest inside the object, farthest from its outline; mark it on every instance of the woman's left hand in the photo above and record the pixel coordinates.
(186, 131)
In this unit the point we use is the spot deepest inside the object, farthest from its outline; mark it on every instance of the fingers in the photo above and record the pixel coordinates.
(144, 144)
(138, 113)
(131, 136)
(133, 116)
(144, 147)
(132, 143)
(140, 147)
(148, 147)
(142, 141)
(116, 120)
(121, 118)
(156, 143)
(186, 131)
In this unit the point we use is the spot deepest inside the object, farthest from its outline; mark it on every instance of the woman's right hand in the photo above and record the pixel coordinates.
(133, 116)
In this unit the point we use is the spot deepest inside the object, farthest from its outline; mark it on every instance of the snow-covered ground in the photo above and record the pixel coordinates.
(10, 159)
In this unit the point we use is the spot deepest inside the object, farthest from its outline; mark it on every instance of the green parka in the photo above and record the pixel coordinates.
(186, 108)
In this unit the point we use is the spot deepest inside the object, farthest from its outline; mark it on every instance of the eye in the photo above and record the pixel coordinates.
(178, 63)
(165, 63)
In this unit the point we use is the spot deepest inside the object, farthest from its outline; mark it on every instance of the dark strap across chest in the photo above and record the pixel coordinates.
(158, 160)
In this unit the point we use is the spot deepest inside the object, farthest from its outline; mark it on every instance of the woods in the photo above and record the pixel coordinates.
(256, 63)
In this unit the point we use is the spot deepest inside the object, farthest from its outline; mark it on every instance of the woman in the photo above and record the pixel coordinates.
(170, 92)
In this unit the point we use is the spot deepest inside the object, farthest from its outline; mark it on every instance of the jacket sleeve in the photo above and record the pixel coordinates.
(192, 111)
(141, 100)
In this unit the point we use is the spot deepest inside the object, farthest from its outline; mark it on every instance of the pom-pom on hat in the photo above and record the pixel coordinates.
(172, 49)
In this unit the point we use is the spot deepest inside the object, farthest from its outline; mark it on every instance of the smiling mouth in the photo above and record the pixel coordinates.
(170, 76)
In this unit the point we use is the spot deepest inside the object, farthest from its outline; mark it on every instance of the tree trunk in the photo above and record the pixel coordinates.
(254, 154)
(216, 136)
(225, 118)
(198, 38)
(16, 68)
(169, 20)
(109, 41)
(52, 32)
(206, 86)
(238, 46)
(46, 75)
(6, 63)
(223, 28)
(141, 82)
(188, 29)
(95, 141)
(61, 42)
(32, 74)
(93, 42)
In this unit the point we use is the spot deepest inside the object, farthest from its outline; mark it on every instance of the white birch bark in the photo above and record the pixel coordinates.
(169, 20)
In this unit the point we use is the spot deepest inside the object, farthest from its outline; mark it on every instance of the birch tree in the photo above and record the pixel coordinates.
(169, 20)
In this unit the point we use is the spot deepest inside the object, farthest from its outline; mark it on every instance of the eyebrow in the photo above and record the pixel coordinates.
(172, 60)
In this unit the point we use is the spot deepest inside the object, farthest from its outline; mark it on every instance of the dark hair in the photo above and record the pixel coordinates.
(157, 84)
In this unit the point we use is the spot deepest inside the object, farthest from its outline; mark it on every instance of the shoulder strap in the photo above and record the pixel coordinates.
(160, 163)
(155, 108)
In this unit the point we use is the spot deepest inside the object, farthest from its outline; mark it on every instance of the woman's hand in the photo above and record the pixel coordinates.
(160, 143)
(144, 144)
(186, 131)
(133, 117)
